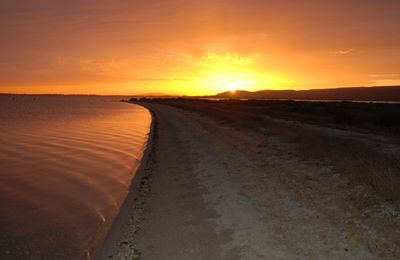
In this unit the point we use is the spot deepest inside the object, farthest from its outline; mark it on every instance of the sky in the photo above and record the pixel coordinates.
(196, 47)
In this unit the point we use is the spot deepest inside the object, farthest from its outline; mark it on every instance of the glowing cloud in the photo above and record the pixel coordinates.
(213, 59)
(343, 52)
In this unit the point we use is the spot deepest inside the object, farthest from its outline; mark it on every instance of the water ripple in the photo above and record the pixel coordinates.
(66, 167)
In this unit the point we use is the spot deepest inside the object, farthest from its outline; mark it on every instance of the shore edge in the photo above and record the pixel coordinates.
(117, 243)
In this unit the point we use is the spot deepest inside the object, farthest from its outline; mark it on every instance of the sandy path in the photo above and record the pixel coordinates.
(196, 211)
(220, 194)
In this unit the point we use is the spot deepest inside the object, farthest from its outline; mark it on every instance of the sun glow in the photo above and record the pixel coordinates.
(227, 82)
(196, 47)
(225, 71)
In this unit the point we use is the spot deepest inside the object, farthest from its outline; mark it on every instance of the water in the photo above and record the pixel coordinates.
(66, 164)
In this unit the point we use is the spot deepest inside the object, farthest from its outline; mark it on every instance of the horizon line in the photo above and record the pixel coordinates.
(183, 95)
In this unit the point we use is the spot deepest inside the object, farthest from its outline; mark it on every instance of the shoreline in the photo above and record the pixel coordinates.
(116, 241)
(221, 191)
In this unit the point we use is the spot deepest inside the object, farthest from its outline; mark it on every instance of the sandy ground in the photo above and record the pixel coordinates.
(209, 191)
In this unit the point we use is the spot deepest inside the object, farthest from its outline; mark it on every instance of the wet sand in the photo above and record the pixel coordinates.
(206, 190)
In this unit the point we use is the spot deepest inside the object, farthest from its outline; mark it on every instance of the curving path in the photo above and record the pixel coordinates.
(219, 193)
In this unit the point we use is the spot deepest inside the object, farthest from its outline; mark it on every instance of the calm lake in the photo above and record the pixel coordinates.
(66, 164)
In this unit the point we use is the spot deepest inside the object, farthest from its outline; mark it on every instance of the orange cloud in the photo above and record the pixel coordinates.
(343, 52)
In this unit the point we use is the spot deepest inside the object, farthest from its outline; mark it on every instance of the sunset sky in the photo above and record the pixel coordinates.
(196, 47)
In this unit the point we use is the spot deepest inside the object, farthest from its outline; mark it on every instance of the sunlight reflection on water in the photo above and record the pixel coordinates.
(66, 166)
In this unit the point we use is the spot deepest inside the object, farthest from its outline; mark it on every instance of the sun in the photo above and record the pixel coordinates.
(228, 82)
(222, 72)
(234, 86)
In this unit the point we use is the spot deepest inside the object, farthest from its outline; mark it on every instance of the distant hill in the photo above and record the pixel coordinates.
(389, 93)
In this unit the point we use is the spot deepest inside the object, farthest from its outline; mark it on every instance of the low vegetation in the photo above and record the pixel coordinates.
(358, 159)
(379, 118)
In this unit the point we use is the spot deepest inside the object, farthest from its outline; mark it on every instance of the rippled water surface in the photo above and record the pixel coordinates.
(66, 164)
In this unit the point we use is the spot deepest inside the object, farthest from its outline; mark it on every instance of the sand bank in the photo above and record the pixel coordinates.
(211, 191)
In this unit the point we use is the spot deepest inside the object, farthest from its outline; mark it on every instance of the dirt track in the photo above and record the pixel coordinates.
(220, 193)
